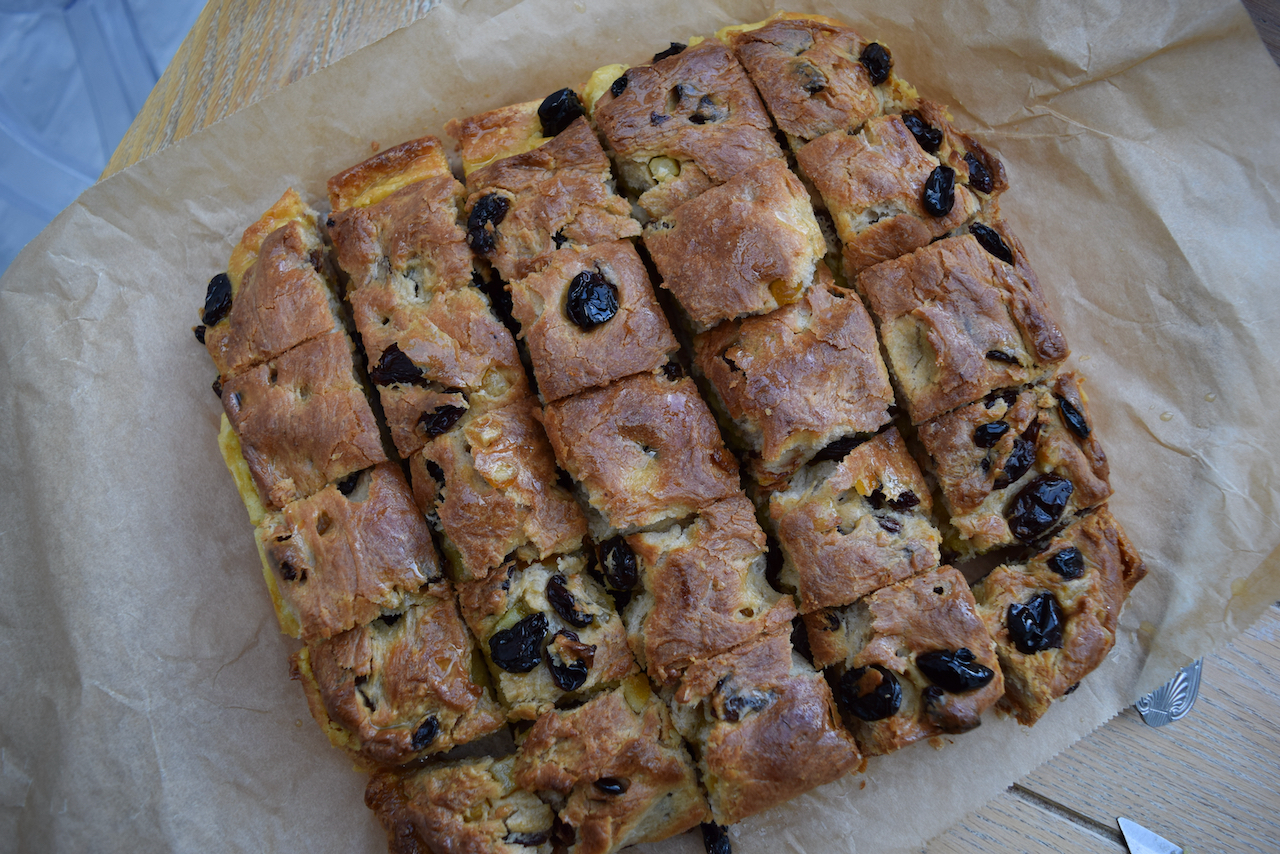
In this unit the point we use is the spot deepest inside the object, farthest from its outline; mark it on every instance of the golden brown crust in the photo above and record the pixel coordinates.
(495, 134)
(764, 725)
(387, 171)
(561, 194)
(1090, 606)
(303, 420)
(799, 378)
(697, 108)
(851, 527)
(808, 73)
(943, 311)
(399, 687)
(568, 359)
(342, 560)
(499, 496)
(644, 449)
(567, 752)
(747, 246)
(706, 590)
(975, 481)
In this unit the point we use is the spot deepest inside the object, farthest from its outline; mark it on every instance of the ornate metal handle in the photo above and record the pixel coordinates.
(1172, 700)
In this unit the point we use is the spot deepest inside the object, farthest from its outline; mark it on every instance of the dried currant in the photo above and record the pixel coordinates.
(618, 86)
(811, 78)
(904, 502)
(893, 526)
(675, 49)
(613, 785)
(1018, 463)
(1073, 417)
(287, 572)
(1009, 396)
(1072, 689)
(426, 733)
(592, 300)
(569, 676)
(217, 299)
(877, 61)
(440, 420)
(1068, 562)
(990, 240)
(395, 368)
(620, 569)
(489, 212)
(1038, 506)
(837, 450)
(1037, 625)
(348, 484)
(437, 473)
(528, 840)
(199, 333)
(873, 702)
(217, 387)
(564, 603)
(715, 838)
(708, 111)
(988, 435)
(939, 194)
(559, 110)
(1002, 356)
(519, 648)
(956, 672)
(979, 175)
(672, 370)
(732, 706)
(929, 137)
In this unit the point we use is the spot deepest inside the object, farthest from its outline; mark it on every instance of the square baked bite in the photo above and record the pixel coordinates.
(405, 685)
(703, 589)
(747, 246)
(958, 323)
(796, 380)
(549, 632)
(687, 122)
(347, 554)
(471, 805)
(615, 769)
(523, 204)
(278, 291)
(855, 524)
(645, 450)
(763, 727)
(303, 419)
(1054, 619)
(589, 318)
(1015, 463)
(910, 661)
(491, 487)
(887, 194)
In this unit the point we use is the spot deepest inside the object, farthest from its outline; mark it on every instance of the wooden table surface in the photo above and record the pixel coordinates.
(1210, 782)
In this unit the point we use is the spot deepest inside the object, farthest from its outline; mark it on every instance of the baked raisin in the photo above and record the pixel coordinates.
(1038, 506)
(1002, 356)
(559, 239)
(426, 733)
(929, 137)
(990, 240)
(708, 111)
(893, 526)
(620, 569)
(956, 672)
(1018, 463)
(618, 86)
(877, 61)
(569, 676)
(810, 77)
(592, 300)
(1073, 417)
(217, 299)
(876, 499)
(519, 648)
(1072, 689)
(559, 110)
(675, 50)
(348, 484)
(715, 838)
(904, 502)
(564, 603)
(1009, 396)
(979, 174)
(437, 473)
(837, 450)
(528, 840)
(489, 212)
(287, 572)
(199, 333)
(729, 705)
(440, 420)
(217, 387)
(939, 194)
(672, 370)
(396, 368)
(1037, 625)
(988, 435)
(863, 695)
(613, 785)
(1068, 562)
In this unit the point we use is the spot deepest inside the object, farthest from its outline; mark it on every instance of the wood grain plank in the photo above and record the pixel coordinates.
(1266, 18)
(1210, 782)
(1012, 823)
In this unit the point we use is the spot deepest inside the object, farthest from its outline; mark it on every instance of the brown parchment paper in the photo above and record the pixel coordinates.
(144, 698)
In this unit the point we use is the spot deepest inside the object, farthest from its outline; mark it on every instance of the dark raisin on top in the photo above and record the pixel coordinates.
(426, 733)
(988, 435)
(672, 370)
(869, 693)
(837, 450)
(734, 705)
(519, 648)
(1038, 506)
(715, 838)
(1073, 417)
(559, 110)
(1037, 625)
(199, 332)
(877, 61)
(440, 420)
(904, 502)
(1002, 356)
(956, 671)
(330, 222)
(217, 299)
(979, 176)
(1009, 396)
(570, 675)
(990, 240)
(287, 572)
(591, 300)
(675, 49)
(1020, 458)
(564, 603)
(489, 212)
(708, 111)
(613, 785)
(810, 77)
(1068, 562)
(893, 526)
(619, 86)
(620, 569)
(939, 194)
(348, 484)
(394, 367)
(929, 137)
